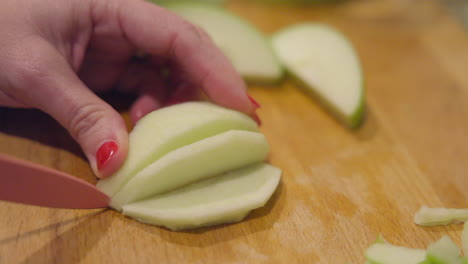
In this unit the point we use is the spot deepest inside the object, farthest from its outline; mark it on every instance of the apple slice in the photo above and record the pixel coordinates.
(381, 253)
(440, 216)
(247, 48)
(443, 251)
(205, 158)
(170, 128)
(225, 198)
(326, 65)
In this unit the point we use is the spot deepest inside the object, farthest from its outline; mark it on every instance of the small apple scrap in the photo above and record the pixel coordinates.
(443, 251)
(192, 165)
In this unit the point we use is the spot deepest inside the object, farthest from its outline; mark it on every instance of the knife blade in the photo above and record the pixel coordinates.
(29, 183)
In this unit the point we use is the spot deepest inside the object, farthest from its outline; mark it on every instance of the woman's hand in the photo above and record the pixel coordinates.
(55, 53)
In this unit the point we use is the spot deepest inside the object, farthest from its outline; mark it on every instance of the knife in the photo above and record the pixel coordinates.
(29, 183)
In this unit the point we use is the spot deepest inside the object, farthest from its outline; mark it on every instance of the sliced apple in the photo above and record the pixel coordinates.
(205, 158)
(440, 216)
(247, 48)
(381, 253)
(170, 128)
(326, 65)
(222, 199)
(443, 251)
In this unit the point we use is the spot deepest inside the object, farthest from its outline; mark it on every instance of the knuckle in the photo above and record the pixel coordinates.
(84, 120)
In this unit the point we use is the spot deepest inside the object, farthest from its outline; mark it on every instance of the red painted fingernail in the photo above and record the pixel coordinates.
(257, 119)
(255, 103)
(105, 153)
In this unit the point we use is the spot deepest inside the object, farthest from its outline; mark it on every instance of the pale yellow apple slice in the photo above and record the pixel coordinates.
(205, 158)
(225, 198)
(443, 251)
(440, 216)
(248, 49)
(380, 253)
(170, 128)
(326, 65)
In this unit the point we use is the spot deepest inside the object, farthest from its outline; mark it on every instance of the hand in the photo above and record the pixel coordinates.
(54, 54)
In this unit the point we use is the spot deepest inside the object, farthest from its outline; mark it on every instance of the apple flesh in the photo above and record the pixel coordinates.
(225, 198)
(178, 156)
(326, 65)
(205, 158)
(381, 253)
(247, 48)
(443, 251)
(170, 128)
(439, 216)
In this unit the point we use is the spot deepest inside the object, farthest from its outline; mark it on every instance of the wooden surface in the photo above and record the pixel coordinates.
(340, 189)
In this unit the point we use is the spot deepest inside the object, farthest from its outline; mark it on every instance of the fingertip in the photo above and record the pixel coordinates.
(144, 105)
(109, 157)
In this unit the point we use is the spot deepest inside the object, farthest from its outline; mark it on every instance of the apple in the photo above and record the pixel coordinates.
(439, 216)
(248, 49)
(325, 64)
(169, 128)
(225, 198)
(202, 159)
(382, 253)
(193, 164)
(443, 251)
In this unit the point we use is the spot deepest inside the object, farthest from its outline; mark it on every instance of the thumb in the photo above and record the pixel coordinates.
(45, 80)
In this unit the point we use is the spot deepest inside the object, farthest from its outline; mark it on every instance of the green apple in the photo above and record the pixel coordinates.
(205, 158)
(382, 253)
(248, 49)
(325, 63)
(439, 216)
(225, 198)
(169, 128)
(174, 172)
(443, 251)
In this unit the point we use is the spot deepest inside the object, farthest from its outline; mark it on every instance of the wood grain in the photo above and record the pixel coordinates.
(340, 189)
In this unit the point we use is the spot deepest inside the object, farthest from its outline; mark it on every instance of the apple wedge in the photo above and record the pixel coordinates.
(167, 129)
(208, 157)
(380, 253)
(326, 65)
(443, 251)
(225, 198)
(440, 216)
(247, 48)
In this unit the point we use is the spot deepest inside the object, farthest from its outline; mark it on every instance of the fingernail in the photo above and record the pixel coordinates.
(255, 103)
(105, 153)
(257, 119)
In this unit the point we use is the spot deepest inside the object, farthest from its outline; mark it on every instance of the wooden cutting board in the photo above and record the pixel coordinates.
(340, 188)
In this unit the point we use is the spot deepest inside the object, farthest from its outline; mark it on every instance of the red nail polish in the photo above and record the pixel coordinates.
(255, 103)
(105, 153)
(257, 119)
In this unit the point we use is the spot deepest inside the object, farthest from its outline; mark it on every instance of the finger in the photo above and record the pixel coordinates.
(43, 79)
(160, 33)
(9, 101)
(144, 105)
(140, 77)
(146, 81)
